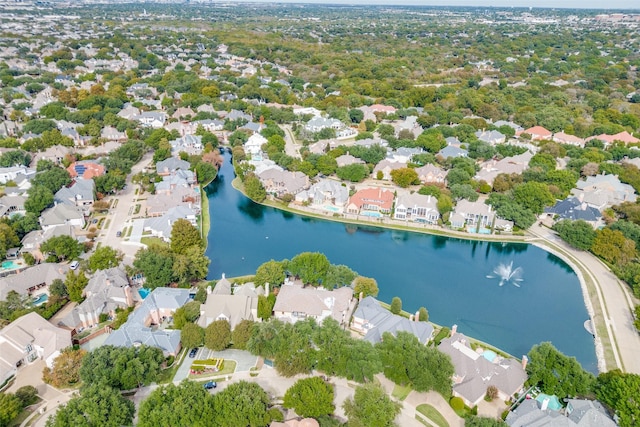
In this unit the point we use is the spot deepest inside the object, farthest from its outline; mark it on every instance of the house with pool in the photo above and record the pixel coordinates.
(371, 202)
(476, 369)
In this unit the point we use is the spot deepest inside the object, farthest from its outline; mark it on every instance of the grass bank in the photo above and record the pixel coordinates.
(205, 220)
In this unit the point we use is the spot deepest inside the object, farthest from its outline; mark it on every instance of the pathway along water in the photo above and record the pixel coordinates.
(448, 276)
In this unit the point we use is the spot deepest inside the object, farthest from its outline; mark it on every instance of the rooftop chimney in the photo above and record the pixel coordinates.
(525, 360)
(417, 316)
(454, 329)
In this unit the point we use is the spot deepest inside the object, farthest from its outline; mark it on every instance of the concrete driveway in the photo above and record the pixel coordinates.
(244, 360)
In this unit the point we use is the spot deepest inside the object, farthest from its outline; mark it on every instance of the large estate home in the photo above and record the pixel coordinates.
(148, 323)
(297, 302)
(372, 320)
(371, 200)
(475, 370)
(417, 207)
(233, 305)
(27, 339)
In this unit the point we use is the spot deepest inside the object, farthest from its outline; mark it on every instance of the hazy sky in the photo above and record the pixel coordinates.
(583, 4)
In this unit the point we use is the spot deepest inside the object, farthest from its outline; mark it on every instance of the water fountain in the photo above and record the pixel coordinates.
(507, 274)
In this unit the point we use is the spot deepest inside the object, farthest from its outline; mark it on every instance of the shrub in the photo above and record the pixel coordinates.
(457, 404)
(492, 393)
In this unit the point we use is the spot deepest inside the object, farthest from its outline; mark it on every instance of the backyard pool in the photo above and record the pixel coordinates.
(371, 214)
(8, 265)
(144, 292)
(40, 299)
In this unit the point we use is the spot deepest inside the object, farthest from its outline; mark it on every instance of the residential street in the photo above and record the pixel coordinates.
(613, 297)
(122, 215)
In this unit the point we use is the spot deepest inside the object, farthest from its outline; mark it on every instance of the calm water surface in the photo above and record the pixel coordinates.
(448, 276)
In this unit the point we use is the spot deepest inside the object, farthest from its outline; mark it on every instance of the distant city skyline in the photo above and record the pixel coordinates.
(535, 4)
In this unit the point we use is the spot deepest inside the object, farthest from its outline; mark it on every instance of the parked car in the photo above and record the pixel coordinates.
(74, 265)
(211, 384)
(193, 352)
(118, 233)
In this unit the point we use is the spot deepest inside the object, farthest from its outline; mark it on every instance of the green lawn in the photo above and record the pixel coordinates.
(229, 368)
(433, 414)
(153, 241)
(400, 392)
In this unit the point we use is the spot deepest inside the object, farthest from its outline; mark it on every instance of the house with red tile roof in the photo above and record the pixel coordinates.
(538, 133)
(625, 137)
(371, 200)
(85, 169)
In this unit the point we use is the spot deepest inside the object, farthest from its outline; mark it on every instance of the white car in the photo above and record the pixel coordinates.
(74, 265)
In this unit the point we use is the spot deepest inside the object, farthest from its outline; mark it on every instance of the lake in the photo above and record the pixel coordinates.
(454, 279)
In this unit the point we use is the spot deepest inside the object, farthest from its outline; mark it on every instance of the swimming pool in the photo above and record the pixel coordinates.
(40, 299)
(371, 214)
(8, 265)
(331, 208)
(144, 292)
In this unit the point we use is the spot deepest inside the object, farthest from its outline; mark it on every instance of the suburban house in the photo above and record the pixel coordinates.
(161, 226)
(348, 159)
(253, 146)
(154, 119)
(106, 291)
(183, 113)
(573, 209)
(509, 165)
(564, 138)
(371, 200)
(516, 127)
(170, 165)
(32, 281)
(10, 205)
(234, 307)
(538, 133)
(32, 240)
(579, 412)
(236, 115)
(386, 166)
(602, 191)
(372, 321)
(145, 325)
(453, 150)
(278, 182)
(112, 134)
(382, 110)
(210, 125)
(471, 214)
(625, 137)
(491, 137)
(325, 192)
(85, 169)
(191, 144)
(417, 208)
(316, 124)
(14, 173)
(431, 174)
(403, 154)
(297, 302)
(27, 339)
(129, 112)
(81, 194)
(62, 214)
(475, 370)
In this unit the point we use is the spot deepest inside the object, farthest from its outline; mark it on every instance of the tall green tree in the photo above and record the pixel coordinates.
(75, 284)
(367, 286)
(556, 373)
(310, 397)
(183, 236)
(579, 234)
(619, 391)
(105, 257)
(191, 335)
(98, 405)
(155, 265)
(217, 335)
(396, 305)
(242, 404)
(371, 407)
(310, 267)
(271, 272)
(187, 403)
(40, 198)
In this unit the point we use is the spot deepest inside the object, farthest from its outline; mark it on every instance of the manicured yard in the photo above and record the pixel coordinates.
(229, 368)
(153, 241)
(433, 414)
(401, 392)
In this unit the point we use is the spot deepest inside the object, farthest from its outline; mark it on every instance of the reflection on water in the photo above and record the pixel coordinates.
(559, 262)
(251, 209)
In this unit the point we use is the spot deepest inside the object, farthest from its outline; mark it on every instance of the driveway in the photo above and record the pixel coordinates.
(244, 360)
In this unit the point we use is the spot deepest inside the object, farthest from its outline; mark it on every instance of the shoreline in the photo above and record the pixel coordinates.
(604, 341)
